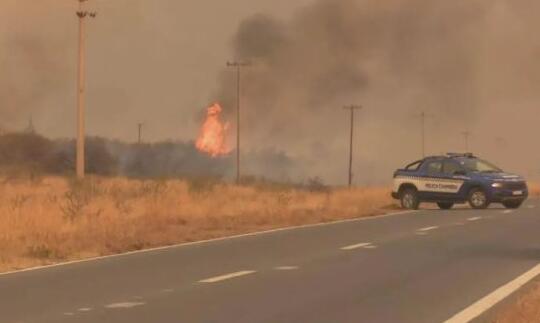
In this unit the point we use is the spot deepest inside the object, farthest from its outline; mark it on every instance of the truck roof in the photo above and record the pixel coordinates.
(452, 155)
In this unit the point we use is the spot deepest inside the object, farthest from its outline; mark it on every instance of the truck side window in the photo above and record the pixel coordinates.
(451, 167)
(414, 166)
(434, 168)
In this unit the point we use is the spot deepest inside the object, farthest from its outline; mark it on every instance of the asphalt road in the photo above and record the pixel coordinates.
(424, 266)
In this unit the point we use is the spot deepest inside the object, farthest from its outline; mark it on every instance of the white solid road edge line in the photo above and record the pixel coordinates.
(484, 304)
(227, 276)
(207, 241)
(356, 246)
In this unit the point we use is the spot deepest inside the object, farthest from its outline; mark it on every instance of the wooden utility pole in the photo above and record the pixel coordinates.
(81, 87)
(423, 116)
(238, 66)
(30, 128)
(352, 108)
(466, 135)
(140, 133)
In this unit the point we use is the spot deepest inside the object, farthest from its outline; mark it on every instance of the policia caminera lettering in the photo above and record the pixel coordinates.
(441, 186)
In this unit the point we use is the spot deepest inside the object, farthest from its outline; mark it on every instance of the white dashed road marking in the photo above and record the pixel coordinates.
(286, 268)
(428, 229)
(531, 207)
(125, 305)
(481, 306)
(84, 309)
(476, 218)
(358, 245)
(507, 211)
(69, 314)
(227, 276)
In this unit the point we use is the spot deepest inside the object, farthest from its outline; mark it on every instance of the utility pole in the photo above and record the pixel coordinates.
(466, 134)
(140, 133)
(82, 14)
(423, 117)
(238, 66)
(352, 108)
(30, 128)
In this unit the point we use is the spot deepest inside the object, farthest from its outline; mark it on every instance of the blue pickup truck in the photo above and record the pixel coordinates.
(457, 179)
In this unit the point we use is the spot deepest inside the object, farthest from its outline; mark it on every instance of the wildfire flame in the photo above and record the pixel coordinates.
(213, 134)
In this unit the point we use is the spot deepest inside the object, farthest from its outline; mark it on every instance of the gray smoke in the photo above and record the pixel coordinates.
(397, 58)
(28, 78)
(470, 64)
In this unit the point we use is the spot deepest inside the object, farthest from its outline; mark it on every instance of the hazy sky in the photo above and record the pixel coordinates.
(471, 64)
(151, 61)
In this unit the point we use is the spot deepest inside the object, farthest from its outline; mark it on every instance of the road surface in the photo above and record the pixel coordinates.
(424, 266)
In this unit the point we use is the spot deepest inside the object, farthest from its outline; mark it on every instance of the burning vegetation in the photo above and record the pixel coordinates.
(213, 134)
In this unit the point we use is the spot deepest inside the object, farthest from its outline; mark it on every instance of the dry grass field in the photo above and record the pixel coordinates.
(535, 190)
(50, 220)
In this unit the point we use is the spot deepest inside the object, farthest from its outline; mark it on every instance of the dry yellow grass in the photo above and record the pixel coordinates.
(54, 220)
(525, 310)
(534, 189)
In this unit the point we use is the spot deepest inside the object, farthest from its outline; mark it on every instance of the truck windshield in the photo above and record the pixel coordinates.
(478, 165)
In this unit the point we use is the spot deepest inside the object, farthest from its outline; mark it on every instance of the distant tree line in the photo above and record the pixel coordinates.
(22, 152)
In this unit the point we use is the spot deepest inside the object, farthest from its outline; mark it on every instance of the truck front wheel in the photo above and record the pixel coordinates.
(478, 199)
(512, 204)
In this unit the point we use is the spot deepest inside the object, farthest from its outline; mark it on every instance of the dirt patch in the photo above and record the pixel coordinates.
(525, 310)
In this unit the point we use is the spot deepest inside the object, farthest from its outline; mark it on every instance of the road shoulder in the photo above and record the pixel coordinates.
(522, 306)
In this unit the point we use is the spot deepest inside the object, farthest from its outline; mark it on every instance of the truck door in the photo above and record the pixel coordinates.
(431, 180)
(454, 175)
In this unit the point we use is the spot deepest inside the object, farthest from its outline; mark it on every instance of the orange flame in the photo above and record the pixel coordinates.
(213, 134)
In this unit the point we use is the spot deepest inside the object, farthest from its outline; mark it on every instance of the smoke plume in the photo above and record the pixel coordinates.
(459, 61)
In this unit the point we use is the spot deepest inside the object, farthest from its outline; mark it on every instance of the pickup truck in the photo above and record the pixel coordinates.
(457, 179)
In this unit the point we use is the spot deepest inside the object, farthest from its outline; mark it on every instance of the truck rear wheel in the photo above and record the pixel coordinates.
(409, 199)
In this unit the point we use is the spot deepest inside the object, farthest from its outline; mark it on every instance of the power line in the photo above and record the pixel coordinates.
(352, 108)
(82, 14)
(238, 65)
